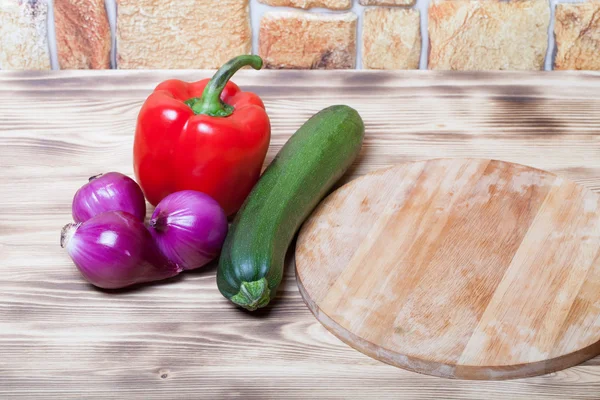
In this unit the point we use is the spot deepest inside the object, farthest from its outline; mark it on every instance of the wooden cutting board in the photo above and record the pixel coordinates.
(459, 268)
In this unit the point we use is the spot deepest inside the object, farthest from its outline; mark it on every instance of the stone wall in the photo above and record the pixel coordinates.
(334, 34)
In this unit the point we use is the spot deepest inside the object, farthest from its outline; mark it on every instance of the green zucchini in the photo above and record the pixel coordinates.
(314, 158)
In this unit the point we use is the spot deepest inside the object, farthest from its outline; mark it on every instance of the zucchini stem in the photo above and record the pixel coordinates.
(253, 295)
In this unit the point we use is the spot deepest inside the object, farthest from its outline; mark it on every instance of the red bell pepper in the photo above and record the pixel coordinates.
(207, 136)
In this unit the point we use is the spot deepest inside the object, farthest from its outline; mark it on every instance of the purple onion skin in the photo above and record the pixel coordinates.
(114, 250)
(112, 191)
(189, 228)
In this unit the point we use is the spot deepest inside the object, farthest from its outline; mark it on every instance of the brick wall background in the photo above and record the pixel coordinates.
(374, 34)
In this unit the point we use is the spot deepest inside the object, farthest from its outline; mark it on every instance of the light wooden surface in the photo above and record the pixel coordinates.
(459, 268)
(60, 338)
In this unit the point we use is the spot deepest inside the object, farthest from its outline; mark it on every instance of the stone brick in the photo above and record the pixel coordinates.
(577, 31)
(306, 4)
(391, 38)
(23, 35)
(181, 33)
(302, 40)
(82, 34)
(388, 2)
(488, 35)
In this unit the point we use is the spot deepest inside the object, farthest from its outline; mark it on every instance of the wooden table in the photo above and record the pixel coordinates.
(61, 338)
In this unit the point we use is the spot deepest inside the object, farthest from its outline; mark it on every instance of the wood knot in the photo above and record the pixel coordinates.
(164, 373)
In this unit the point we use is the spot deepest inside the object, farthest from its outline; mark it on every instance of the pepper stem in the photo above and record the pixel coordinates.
(253, 295)
(210, 103)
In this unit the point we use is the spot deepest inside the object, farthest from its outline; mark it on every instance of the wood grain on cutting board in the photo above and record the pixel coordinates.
(61, 338)
(460, 268)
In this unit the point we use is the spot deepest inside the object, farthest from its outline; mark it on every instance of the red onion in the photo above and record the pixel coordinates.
(189, 228)
(109, 192)
(114, 249)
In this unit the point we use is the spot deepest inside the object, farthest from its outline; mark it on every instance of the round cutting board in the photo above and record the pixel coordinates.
(473, 269)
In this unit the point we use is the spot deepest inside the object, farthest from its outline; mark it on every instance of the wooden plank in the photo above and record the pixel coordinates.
(60, 338)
